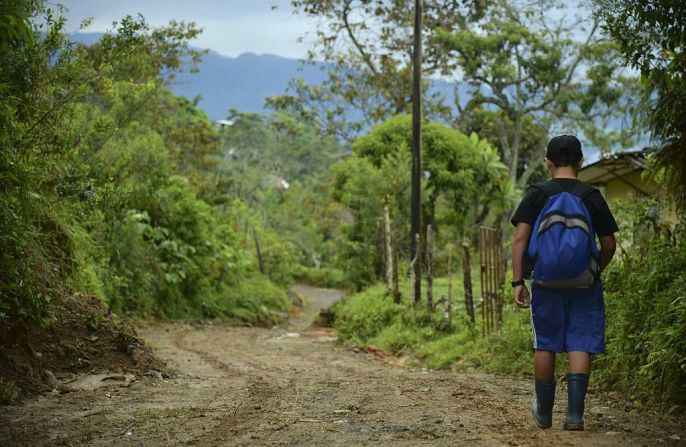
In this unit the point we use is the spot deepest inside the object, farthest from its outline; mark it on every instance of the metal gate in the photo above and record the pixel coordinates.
(492, 278)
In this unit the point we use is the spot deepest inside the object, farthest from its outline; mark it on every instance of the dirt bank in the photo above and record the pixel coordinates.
(292, 385)
(79, 336)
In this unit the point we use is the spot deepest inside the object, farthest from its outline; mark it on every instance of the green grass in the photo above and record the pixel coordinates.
(372, 318)
(321, 277)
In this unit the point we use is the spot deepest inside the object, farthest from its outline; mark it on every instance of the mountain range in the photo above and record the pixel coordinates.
(243, 82)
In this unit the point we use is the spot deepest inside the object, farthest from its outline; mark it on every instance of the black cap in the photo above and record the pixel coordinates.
(564, 149)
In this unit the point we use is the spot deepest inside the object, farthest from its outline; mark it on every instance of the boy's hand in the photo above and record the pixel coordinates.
(522, 297)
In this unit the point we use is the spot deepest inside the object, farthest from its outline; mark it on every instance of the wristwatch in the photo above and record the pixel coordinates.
(519, 282)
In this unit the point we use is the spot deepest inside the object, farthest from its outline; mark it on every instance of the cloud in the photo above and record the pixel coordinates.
(230, 27)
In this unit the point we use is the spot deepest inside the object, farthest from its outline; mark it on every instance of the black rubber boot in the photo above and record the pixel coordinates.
(542, 406)
(577, 385)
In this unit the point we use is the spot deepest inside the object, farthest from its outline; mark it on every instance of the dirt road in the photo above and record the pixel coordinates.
(293, 385)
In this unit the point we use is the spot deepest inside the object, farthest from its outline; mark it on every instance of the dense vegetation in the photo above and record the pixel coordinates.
(112, 186)
(644, 286)
(464, 182)
(645, 306)
(650, 36)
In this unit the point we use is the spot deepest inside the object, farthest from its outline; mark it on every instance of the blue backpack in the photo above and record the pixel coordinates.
(562, 249)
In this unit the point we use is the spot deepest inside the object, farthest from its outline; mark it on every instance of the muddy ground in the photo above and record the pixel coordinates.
(293, 385)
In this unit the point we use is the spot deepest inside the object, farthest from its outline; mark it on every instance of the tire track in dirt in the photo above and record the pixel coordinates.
(179, 341)
(279, 370)
(294, 386)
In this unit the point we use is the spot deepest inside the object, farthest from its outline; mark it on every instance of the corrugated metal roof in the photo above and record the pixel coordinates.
(617, 166)
(613, 166)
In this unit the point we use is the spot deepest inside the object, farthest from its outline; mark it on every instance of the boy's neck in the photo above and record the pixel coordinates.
(564, 172)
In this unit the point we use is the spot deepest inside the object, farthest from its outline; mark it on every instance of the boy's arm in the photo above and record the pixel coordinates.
(519, 243)
(608, 245)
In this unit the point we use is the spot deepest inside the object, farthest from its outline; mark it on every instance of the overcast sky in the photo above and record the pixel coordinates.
(231, 27)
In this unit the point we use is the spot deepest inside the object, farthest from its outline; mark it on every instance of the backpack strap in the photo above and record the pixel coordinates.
(582, 190)
(548, 188)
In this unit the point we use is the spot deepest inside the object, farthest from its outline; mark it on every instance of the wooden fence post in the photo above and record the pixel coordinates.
(388, 253)
(396, 288)
(450, 287)
(416, 297)
(467, 275)
(429, 267)
(492, 276)
(257, 249)
(381, 245)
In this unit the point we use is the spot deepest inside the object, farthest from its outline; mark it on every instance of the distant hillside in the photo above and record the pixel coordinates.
(244, 82)
(241, 83)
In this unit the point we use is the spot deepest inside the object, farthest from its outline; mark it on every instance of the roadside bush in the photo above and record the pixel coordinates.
(646, 309)
(645, 296)
(100, 170)
(372, 318)
(320, 277)
(278, 257)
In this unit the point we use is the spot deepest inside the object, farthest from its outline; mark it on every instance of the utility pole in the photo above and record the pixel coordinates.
(416, 205)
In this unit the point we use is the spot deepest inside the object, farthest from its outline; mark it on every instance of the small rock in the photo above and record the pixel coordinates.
(115, 378)
(50, 378)
(341, 411)
(157, 375)
(598, 411)
(16, 394)
(38, 354)
(675, 437)
(613, 433)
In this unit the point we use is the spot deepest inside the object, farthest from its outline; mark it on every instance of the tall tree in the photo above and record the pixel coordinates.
(461, 171)
(366, 48)
(524, 66)
(651, 38)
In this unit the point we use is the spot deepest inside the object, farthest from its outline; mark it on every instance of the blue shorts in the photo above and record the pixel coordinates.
(566, 320)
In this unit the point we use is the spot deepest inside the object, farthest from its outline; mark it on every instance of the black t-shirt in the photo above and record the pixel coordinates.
(534, 200)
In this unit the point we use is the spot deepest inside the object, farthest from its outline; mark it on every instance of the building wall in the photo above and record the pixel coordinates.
(617, 189)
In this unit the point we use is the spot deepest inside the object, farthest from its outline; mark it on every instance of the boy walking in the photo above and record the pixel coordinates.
(555, 228)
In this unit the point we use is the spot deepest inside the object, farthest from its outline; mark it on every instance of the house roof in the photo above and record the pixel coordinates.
(613, 166)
